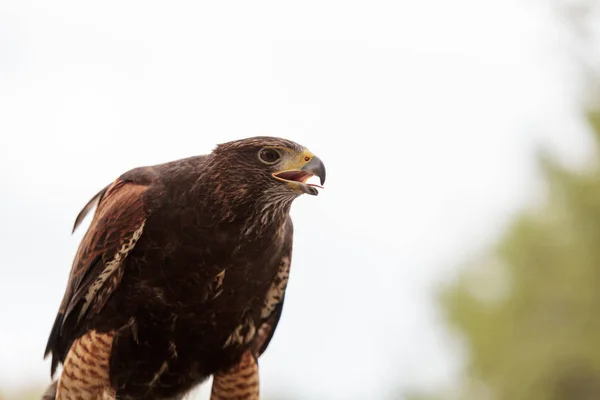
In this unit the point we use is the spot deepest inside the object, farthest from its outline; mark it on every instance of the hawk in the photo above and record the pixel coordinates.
(181, 275)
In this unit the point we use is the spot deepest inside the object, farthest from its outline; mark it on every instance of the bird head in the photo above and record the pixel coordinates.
(272, 164)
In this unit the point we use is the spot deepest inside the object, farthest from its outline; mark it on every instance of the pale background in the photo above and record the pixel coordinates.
(427, 115)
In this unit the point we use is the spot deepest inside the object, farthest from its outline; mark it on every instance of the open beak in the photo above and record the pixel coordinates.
(302, 171)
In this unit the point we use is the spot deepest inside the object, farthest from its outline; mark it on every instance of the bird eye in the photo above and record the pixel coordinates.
(269, 156)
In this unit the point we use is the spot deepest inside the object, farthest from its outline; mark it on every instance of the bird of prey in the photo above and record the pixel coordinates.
(181, 275)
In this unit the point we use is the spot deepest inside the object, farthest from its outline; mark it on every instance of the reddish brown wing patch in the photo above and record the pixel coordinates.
(94, 201)
(97, 267)
(118, 220)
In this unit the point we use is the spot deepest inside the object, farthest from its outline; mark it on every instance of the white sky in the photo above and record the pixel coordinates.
(427, 115)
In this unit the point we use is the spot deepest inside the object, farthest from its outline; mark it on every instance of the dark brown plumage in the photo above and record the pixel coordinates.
(182, 273)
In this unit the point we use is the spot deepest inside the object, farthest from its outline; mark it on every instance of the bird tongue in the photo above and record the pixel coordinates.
(308, 183)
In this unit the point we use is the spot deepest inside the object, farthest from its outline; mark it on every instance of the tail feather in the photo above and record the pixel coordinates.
(51, 346)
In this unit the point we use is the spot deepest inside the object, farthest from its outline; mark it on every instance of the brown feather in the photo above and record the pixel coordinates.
(238, 383)
(118, 219)
(88, 207)
(85, 372)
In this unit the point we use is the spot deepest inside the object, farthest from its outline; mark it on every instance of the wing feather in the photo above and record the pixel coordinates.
(88, 207)
(273, 304)
(97, 268)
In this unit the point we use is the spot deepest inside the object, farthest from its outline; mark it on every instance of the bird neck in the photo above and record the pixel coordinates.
(251, 205)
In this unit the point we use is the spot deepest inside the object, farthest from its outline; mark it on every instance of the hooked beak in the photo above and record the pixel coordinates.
(296, 174)
(315, 167)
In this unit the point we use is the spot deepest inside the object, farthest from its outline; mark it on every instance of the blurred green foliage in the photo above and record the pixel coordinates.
(529, 312)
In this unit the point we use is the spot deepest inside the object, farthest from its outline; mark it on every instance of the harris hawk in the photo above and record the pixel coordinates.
(181, 275)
